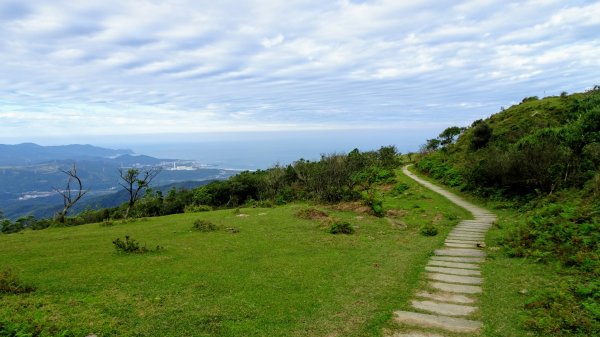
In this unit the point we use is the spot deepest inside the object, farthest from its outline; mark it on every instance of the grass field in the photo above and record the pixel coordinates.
(278, 276)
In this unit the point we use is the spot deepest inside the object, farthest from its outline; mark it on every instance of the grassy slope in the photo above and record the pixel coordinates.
(507, 281)
(279, 276)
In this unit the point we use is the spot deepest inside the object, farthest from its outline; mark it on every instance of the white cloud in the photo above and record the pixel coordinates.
(145, 66)
(272, 42)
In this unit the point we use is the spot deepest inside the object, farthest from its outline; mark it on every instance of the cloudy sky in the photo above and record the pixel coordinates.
(143, 67)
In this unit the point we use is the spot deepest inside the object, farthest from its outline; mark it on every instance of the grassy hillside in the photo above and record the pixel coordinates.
(538, 164)
(264, 272)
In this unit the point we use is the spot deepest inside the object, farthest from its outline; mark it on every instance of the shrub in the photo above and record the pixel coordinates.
(341, 227)
(399, 188)
(429, 230)
(204, 226)
(197, 208)
(130, 245)
(564, 311)
(10, 283)
(311, 214)
(107, 223)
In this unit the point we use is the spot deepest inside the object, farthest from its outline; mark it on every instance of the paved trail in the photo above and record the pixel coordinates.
(449, 300)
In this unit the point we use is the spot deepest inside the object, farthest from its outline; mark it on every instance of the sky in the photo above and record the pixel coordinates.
(85, 69)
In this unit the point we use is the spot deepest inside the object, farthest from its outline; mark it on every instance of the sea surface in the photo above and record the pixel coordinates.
(263, 150)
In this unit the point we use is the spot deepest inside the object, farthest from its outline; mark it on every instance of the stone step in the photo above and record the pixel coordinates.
(459, 252)
(463, 259)
(455, 278)
(460, 245)
(447, 309)
(456, 288)
(463, 232)
(467, 232)
(452, 324)
(453, 271)
(441, 296)
(470, 230)
(414, 334)
(463, 241)
(453, 264)
(465, 237)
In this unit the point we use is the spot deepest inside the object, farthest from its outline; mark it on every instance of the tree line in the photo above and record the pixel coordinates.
(333, 178)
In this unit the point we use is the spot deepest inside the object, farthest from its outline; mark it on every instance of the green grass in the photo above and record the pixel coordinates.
(278, 276)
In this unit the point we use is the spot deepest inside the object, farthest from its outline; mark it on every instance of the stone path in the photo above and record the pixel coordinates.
(448, 303)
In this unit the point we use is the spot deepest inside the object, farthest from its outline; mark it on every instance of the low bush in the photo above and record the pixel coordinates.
(130, 245)
(565, 310)
(341, 227)
(311, 214)
(107, 223)
(399, 188)
(10, 283)
(201, 225)
(428, 230)
(197, 208)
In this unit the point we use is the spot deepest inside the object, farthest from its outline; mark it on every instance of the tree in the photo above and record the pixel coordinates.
(482, 133)
(431, 145)
(448, 136)
(70, 198)
(134, 181)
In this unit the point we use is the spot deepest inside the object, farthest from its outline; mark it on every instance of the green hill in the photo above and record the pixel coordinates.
(538, 164)
(262, 271)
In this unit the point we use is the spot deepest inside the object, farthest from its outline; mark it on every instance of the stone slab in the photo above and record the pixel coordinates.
(468, 229)
(453, 264)
(415, 334)
(459, 252)
(467, 232)
(441, 296)
(465, 237)
(463, 241)
(455, 278)
(453, 271)
(460, 245)
(463, 259)
(456, 288)
(447, 309)
(437, 321)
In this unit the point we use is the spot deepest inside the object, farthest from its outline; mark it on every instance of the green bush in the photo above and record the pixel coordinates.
(130, 245)
(400, 188)
(197, 208)
(204, 226)
(107, 223)
(311, 214)
(10, 283)
(341, 227)
(565, 310)
(428, 230)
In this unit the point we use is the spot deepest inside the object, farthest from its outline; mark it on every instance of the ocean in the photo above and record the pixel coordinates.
(263, 150)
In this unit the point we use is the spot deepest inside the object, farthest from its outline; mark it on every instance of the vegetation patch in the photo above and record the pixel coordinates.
(356, 207)
(399, 189)
(197, 208)
(311, 214)
(341, 227)
(202, 225)
(130, 245)
(428, 230)
(11, 284)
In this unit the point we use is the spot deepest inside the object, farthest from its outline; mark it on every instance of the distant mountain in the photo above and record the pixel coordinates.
(30, 173)
(29, 153)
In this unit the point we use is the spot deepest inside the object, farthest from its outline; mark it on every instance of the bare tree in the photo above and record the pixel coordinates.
(70, 197)
(134, 181)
